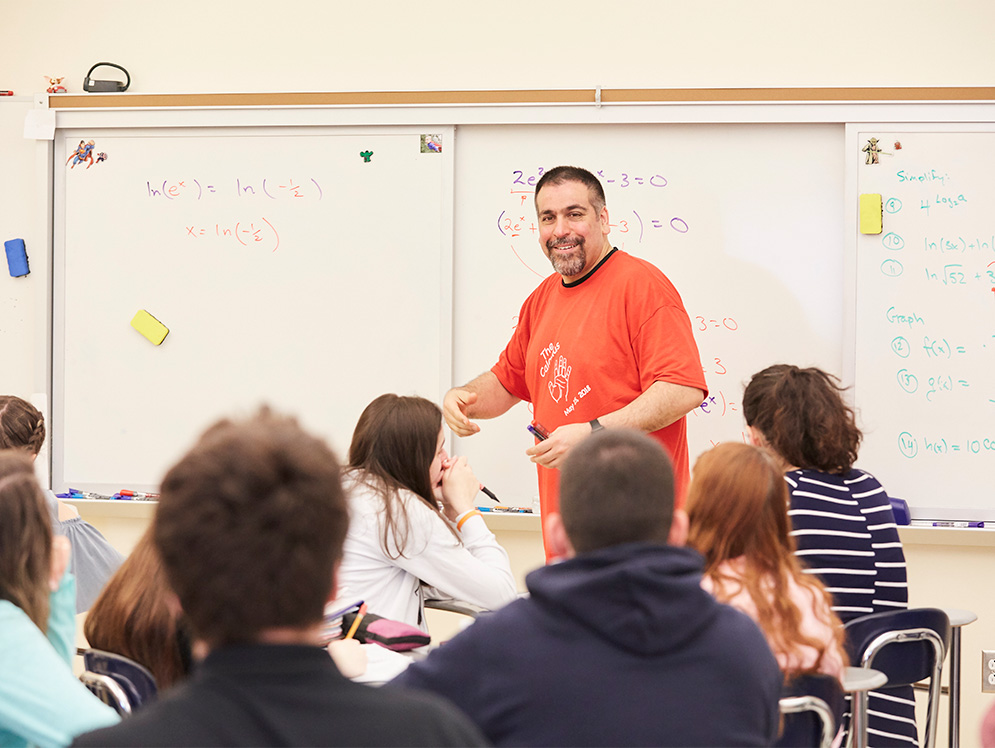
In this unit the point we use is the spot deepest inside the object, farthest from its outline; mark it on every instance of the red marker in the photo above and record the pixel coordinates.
(6, 93)
(138, 494)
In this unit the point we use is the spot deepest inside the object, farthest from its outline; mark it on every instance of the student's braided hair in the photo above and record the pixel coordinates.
(22, 426)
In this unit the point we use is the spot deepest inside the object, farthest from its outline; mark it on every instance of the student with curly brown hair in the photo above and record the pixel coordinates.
(249, 527)
(738, 512)
(841, 516)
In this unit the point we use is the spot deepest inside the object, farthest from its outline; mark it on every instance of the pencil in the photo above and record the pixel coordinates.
(356, 621)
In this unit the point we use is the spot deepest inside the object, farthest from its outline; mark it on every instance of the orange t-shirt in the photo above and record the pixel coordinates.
(589, 348)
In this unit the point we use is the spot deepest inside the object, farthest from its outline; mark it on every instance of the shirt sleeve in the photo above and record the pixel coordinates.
(666, 350)
(94, 560)
(891, 589)
(478, 571)
(45, 704)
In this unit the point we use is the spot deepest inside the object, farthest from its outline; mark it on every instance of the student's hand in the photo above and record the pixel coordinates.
(349, 657)
(61, 551)
(551, 452)
(459, 488)
(455, 406)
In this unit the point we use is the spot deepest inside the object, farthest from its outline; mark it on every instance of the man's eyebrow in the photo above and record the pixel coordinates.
(575, 206)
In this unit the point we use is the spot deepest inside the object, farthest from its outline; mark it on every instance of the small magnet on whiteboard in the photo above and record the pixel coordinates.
(367, 155)
(870, 213)
(898, 145)
(431, 144)
(149, 326)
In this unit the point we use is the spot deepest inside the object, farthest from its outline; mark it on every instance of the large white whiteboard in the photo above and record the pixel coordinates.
(304, 267)
(746, 220)
(925, 316)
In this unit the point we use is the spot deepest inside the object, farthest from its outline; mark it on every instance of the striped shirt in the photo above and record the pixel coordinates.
(846, 535)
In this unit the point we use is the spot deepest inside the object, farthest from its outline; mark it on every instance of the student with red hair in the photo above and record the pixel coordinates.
(738, 512)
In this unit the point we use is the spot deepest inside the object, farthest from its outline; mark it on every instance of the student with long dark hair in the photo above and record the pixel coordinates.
(133, 617)
(41, 701)
(841, 516)
(413, 519)
(738, 512)
(22, 427)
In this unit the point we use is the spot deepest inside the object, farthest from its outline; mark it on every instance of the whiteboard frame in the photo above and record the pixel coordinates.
(56, 311)
(920, 510)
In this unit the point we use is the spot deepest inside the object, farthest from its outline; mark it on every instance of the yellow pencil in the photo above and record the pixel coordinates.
(356, 621)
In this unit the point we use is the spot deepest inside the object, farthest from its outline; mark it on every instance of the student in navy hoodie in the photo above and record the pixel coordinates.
(618, 644)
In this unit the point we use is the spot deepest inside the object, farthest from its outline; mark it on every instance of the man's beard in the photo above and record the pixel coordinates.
(568, 265)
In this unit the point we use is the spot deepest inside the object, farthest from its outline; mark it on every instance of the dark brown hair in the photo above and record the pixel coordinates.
(561, 174)
(25, 538)
(132, 617)
(392, 448)
(616, 486)
(802, 416)
(738, 508)
(250, 526)
(22, 425)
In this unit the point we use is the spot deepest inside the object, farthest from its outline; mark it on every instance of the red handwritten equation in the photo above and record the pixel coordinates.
(246, 233)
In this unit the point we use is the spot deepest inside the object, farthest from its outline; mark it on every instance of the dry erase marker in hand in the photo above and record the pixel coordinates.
(540, 433)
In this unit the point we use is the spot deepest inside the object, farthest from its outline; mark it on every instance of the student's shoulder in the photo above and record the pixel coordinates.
(423, 717)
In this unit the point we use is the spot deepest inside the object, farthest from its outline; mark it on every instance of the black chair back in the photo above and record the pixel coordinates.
(811, 708)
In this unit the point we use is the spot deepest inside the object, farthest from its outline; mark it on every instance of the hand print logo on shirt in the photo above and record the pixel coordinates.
(560, 383)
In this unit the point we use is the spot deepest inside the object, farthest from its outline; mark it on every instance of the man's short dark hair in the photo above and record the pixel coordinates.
(561, 174)
(250, 525)
(616, 486)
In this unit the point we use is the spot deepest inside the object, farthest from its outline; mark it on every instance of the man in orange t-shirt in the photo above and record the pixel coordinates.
(605, 342)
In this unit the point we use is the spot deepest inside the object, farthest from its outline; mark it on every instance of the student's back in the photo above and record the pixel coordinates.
(286, 696)
(618, 644)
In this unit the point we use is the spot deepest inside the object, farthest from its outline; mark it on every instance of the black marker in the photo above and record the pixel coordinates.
(488, 491)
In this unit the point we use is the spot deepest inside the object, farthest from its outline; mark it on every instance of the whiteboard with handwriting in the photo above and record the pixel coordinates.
(745, 219)
(925, 316)
(305, 268)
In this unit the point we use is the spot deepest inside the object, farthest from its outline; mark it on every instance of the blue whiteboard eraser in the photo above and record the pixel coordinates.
(17, 257)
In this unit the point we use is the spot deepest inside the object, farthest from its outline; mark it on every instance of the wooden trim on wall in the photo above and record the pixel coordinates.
(552, 96)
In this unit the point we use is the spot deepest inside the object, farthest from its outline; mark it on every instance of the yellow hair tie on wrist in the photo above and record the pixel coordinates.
(465, 517)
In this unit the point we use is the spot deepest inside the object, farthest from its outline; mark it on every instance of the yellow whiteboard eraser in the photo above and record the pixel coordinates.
(870, 214)
(149, 326)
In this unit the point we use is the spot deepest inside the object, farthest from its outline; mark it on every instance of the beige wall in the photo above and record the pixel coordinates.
(315, 45)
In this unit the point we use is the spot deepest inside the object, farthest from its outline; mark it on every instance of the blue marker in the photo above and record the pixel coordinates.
(958, 524)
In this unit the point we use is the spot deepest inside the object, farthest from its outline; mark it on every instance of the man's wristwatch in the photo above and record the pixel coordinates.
(596, 426)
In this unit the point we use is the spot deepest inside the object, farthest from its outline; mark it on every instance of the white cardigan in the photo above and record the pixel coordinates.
(476, 571)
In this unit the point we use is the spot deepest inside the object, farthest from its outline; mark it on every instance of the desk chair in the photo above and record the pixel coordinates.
(108, 691)
(907, 646)
(811, 707)
(134, 680)
(958, 619)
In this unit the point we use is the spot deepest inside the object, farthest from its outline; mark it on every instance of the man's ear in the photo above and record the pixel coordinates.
(605, 223)
(678, 528)
(556, 537)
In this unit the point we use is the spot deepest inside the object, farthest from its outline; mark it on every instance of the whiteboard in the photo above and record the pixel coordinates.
(303, 267)
(925, 316)
(745, 219)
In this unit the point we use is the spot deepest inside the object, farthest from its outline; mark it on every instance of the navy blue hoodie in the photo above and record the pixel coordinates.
(619, 646)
